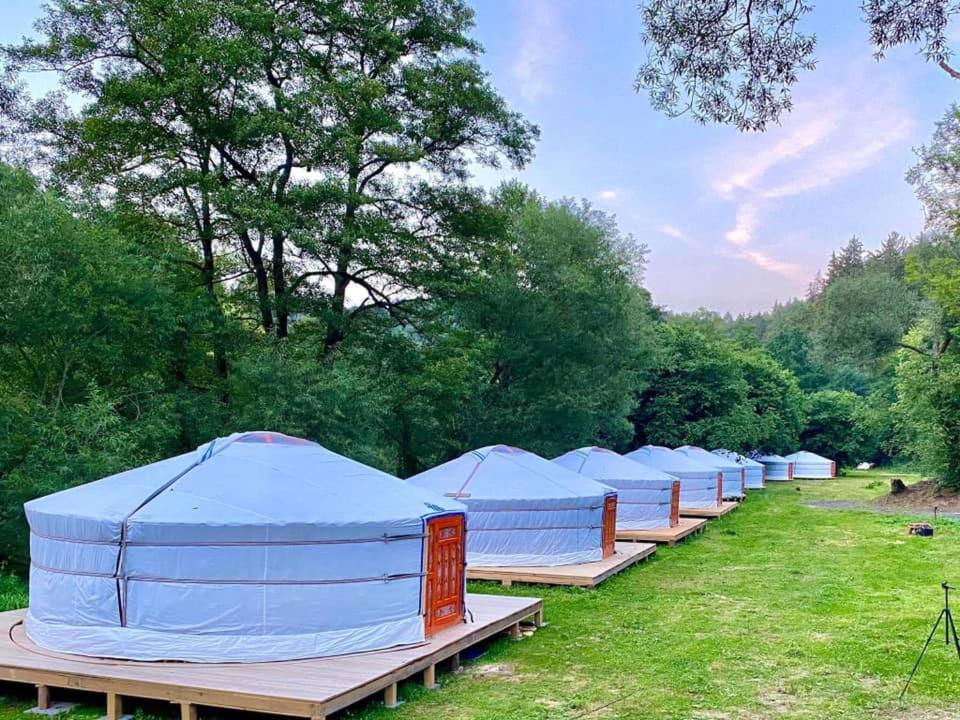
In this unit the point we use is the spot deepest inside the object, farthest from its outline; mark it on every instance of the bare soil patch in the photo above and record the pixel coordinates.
(922, 497)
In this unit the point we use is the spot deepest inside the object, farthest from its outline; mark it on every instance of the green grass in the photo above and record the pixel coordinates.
(776, 611)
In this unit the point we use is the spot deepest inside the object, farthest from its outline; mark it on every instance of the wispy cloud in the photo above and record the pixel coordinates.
(672, 231)
(746, 223)
(540, 44)
(780, 267)
(609, 194)
(831, 135)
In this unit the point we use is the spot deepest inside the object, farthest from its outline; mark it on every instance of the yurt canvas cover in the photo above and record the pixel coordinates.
(523, 510)
(778, 467)
(755, 473)
(256, 547)
(699, 483)
(734, 476)
(812, 466)
(646, 497)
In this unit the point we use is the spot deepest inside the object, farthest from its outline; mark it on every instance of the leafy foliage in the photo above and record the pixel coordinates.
(735, 61)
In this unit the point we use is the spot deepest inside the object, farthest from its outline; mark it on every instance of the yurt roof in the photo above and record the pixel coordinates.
(735, 456)
(707, 457)
(670, 461)
(807, 456)
(773, 458)
(296, 488)
(603, 464)
(501, 472)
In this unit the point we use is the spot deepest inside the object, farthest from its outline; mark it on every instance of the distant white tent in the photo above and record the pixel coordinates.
(523, 510)
(646, 497)
(254, 548)
(733, 474)
(811, 466)
(778, 468)
(699, 482)
(755, 473)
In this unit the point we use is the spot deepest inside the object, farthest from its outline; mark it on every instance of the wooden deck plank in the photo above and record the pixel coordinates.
(305, 688)
(670, 536)
(727, 507)
(582, 575)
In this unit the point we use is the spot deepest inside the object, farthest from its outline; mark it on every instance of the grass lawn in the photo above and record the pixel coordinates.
(776, 611)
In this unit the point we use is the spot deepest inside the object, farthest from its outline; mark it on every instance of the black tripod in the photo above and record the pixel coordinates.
(949, 633)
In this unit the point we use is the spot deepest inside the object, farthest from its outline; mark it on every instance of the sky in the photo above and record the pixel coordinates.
(734, 222)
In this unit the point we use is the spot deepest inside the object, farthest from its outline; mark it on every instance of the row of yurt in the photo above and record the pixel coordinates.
(262, 547)
(801, 465)
(525, 510)
(754, 473)
(732, 474)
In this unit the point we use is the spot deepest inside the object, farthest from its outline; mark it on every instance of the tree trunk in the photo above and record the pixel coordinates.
(255, 256)
(279, 286)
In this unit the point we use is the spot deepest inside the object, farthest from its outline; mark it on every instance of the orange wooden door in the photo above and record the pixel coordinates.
(719, 489)
(789, 471)
(444, 586)
(743, 481)
(608, 536)
(675, 504)
(833, 469)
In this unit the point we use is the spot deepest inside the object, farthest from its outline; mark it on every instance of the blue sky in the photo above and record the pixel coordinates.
(734, 222)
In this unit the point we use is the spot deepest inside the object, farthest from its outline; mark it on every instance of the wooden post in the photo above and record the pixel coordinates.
(430, 677)
(538, 618)
(114, 706)
(43, 697)
(188, 711)
(515, 631)
(506, 583)
(390, 696)
(455, 662)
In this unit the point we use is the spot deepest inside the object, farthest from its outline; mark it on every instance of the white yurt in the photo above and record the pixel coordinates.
(699, 483)
(778, 468)
(811, 466)
(754, 472)
(646, 497)
(523, 510)
(256, 547)
(733, 475)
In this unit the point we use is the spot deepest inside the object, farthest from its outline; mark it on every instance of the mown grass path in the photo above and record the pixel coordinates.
(776, 611)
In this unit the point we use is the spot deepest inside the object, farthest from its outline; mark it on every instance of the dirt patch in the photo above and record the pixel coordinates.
(921, 497)
(495, 671)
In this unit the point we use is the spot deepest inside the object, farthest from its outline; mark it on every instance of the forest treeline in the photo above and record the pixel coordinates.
(273, 226)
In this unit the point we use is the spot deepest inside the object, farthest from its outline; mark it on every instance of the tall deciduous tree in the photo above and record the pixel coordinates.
(325, 145)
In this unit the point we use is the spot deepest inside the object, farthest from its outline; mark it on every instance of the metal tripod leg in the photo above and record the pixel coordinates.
(925, 646)
(952, 630)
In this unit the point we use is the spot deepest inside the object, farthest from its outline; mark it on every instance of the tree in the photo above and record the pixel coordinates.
(847, 263)
(94, 366)
(736, 61)
(778, 403)
(835, 428)
(697, 393)
(936, 175)
(324, 145)
(792, 348)
(567, 329)
(862, 318)
(927, 371)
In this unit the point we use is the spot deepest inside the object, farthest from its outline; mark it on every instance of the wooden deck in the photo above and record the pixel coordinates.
(582, 575)
(305, 688)
(728, 506)
(667, 536)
